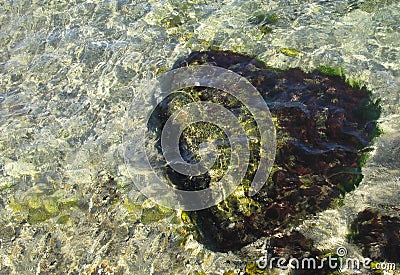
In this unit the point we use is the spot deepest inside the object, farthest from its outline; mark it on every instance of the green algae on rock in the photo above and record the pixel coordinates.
(323, 130)
(264, 21)
(288, 51)
(40, 204)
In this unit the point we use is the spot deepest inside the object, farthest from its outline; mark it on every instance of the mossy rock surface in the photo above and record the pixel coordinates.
(323, 126)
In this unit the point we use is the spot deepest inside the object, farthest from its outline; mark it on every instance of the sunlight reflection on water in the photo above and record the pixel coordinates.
(68, 73)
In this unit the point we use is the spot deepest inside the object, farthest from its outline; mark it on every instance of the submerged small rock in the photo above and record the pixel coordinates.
(324, 127)
(378, 235)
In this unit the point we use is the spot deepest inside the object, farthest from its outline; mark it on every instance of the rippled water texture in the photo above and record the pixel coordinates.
(68, 73)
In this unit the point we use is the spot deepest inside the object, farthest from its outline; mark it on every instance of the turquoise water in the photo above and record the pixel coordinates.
(68, 74)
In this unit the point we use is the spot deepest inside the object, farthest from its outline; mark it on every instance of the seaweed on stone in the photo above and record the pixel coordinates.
(323, 129)
(377, 235)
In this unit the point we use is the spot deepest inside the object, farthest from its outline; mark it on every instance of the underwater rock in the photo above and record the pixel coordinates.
(378, 235)
(324, 127)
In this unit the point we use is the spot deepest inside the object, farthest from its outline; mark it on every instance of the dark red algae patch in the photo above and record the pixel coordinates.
(378, 235)
(324, 127)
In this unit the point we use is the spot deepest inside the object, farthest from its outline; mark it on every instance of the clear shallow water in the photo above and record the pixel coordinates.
(68, 73)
